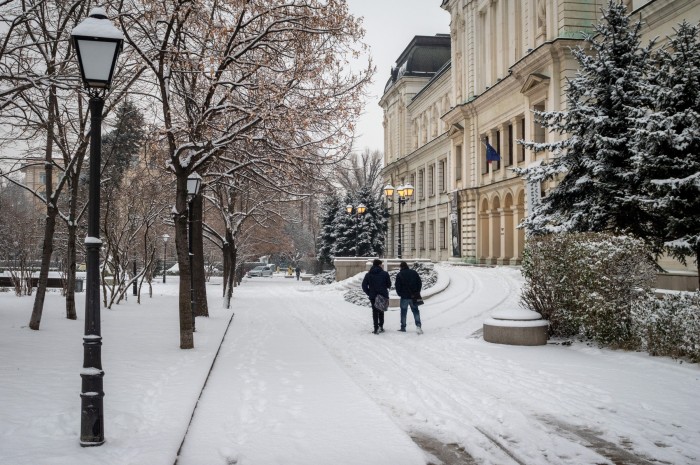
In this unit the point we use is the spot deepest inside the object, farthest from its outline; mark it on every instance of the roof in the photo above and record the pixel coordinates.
(423, 57)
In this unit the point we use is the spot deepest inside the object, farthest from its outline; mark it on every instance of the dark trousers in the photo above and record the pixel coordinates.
(377, 316)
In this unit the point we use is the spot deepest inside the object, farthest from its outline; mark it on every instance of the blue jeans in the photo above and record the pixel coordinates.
(403, 305)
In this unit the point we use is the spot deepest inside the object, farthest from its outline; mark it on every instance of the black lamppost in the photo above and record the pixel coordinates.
(135, 288)
(194, 181)
(404, 192)
(165, 238)
(97, 43)
(359, 211)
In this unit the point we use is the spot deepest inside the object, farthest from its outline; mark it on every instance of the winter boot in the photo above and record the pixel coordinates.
(419, 330)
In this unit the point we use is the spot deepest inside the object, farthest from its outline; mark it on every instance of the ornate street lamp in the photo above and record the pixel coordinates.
(97, 43)
(404, 193)
(165, 238)
(194, 182)
(359, 211)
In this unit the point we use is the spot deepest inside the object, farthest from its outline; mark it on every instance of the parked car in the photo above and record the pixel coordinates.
(260, 271)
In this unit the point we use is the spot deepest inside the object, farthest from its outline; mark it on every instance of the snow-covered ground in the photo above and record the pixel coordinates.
(300, 379)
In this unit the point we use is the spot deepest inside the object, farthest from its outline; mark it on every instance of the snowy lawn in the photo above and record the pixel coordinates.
(301, 380)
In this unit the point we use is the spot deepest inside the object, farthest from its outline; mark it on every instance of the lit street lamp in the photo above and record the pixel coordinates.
(194, 182)
(359, 211)
(98, 44)
(404, 192)
(165, 252)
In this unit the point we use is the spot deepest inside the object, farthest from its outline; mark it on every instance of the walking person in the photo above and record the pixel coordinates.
(377, 282)
(297, 270)
(408, 284)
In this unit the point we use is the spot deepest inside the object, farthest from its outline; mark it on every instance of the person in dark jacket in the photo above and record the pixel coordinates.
(297, 270)
(377, 281)
(408, 283)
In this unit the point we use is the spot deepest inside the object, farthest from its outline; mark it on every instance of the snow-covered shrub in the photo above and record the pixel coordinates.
(669, 325)
(586, 283)
(324, 278)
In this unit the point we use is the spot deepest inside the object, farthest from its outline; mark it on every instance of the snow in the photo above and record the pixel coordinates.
(516, 314)
(299, 379)
(95, 27)
(515, 323)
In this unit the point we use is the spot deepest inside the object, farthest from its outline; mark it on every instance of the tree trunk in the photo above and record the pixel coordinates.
(230, 259)
(183, 261)
(200, 281)
(71, 313)
(50, 226)
(46, 252)
(71, 252)
(226, 265)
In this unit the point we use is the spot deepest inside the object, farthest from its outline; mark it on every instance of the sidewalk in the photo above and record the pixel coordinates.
(275, 396)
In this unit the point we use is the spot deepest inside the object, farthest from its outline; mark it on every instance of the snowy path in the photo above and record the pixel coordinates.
(275, 396)
(306, 382)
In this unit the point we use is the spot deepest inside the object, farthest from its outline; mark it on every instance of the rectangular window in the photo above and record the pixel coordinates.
(540, 135)
(458, 162)
(509, 157)
(421, 235)
(442, 172)
(412, 239)
(412, 180)
(521, 149)
(497, 164)
(421, 187)
(484, 163)
(431, 234)
(42, 178)
(443, 233)
(431, 180)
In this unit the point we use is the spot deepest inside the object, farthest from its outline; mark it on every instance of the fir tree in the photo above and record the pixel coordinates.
(667, 147)
(373, 224)
(346, 229)
(326, 239)
(123, 143)
(594, 163)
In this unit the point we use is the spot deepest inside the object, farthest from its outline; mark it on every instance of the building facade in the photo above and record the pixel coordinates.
(507, 58)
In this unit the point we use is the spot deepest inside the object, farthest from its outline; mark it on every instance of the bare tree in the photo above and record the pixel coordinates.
(49, 117)
(360, 170)
(244, 71)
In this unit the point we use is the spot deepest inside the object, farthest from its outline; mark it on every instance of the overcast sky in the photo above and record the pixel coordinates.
(390, 26)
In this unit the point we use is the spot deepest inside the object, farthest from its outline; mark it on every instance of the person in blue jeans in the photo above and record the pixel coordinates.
(407, 284)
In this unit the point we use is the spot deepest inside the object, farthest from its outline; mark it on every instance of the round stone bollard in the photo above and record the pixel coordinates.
(516, 327)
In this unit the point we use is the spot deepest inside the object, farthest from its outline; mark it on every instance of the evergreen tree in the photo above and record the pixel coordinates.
(667, 146)
(326, 239)
(594, 163)
(123, 143)
(373, 224)
(346, 228)
(346, 234)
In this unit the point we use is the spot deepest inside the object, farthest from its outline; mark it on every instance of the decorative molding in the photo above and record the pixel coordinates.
(534, 83)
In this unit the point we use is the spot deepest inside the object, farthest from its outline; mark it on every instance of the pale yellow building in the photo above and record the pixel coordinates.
(507, 58)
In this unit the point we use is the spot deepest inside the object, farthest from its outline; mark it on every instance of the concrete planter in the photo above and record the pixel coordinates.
(516, 327)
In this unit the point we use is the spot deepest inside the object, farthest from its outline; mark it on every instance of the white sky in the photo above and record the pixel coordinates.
(390, 26)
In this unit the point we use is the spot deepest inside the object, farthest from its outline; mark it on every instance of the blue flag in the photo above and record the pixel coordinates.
(491, 153)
